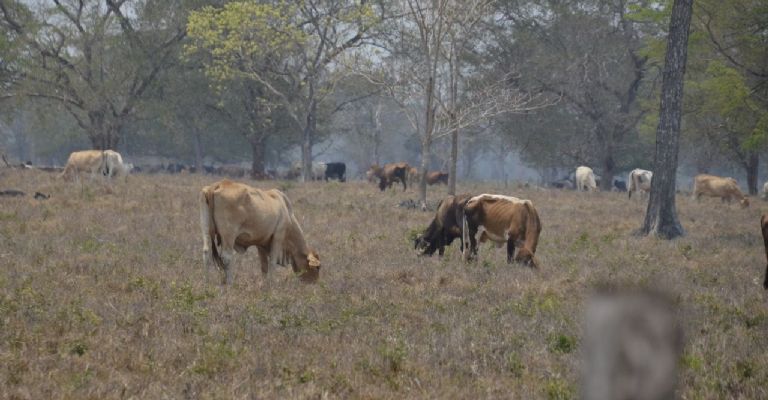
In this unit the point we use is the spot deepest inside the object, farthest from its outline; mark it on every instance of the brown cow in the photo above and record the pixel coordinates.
(413, 175)
(445, 227)
(764, 226)
(502, 219)
(436, 177)
(236, 216)
(389, 174)
(715, 186)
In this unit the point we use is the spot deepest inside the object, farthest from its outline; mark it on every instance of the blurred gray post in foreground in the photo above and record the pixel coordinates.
(632, 343)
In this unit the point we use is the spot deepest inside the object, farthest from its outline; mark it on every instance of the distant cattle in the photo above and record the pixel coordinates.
(585, 179)
(436, 177)
(564, 183)
(389, 174)
(176, 168)
(235, 217)
(502, 219)
(619, 186)
(336, 170)
(765, 191)
(445, 227)
(714, 186)
(87, 161)
(317, 171)
(639, 181)
(764, 226)
(232, 171)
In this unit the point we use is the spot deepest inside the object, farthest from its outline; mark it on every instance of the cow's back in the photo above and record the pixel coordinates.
(251, 215)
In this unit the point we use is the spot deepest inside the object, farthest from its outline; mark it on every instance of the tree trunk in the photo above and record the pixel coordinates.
(309, 132)
(426, 142)
(752, 171)
(454, 160)
(105, 139)
(606, 183)
(661, 217)
(257, 163)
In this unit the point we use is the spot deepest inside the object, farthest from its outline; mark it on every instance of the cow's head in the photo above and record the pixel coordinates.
(525, 257)
(312, 272)
(744, 202)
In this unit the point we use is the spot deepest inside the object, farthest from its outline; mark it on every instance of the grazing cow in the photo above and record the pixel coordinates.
(391, 173)
(502, 219)
(714, 186)
(619, 186)
(236, 216)
(436, 177)
(585, 179)
(565, 183)
(113, 165)
(87, 161)
(336, 170)
(445, 227)
(764, 226)
(639, 181)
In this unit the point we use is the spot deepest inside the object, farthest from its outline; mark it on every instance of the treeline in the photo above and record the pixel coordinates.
(442, 84)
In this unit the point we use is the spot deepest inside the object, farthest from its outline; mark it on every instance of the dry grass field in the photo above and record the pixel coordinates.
(103, 295)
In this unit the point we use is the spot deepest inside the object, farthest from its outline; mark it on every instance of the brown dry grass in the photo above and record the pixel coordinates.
(102, 295)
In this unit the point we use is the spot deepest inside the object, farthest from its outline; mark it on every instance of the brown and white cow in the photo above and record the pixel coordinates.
(389, 174)
(502, 219)
(764, 227)
(235, 216)
(436, 177)
(445, 227)
(639, 181)
(715, 186)
(87, 161)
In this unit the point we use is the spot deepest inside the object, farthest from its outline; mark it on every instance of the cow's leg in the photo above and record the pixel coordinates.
(264, 260)
(510, 249)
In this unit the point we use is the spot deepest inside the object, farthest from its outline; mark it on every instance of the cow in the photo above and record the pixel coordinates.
(764, 226)
(501, 219)
(436, 177)
(86, 161)
(336, 170)
(585, 179)
(619, 186)
(176, 168)
(317, 171)
(445, 227)
(639, 181)
(765, 191)
(714, 186)
(565, 183)
(391, 173)
(413, 176)
(113, 166)
(236, 216)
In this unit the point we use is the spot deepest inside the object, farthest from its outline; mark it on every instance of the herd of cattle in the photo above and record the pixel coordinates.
(235, 216)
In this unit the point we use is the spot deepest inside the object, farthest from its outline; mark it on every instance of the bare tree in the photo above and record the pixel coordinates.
(661, 216)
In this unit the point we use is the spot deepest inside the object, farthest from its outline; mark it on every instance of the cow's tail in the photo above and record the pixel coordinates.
(206, 210)
(532, 231)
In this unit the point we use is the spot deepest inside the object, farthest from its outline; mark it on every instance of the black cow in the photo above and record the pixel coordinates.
(445, 227)
(621, 186)
(336, 170)
(175, 168)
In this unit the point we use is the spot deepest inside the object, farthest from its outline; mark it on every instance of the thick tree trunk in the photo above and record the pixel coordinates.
(661, 217)
(106, 139)
(606, 182)
(309, 132)
(426, 141)
(257, 162)
(751, 167)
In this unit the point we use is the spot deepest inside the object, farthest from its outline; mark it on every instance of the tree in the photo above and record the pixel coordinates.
(588, 52)
(96, 59)
(661, 216)
(287, 49)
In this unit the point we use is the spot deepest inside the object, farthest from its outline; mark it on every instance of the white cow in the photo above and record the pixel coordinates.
(113, 165)
(765, 191)
(639, 181)
(318, 169)
(585, 179)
